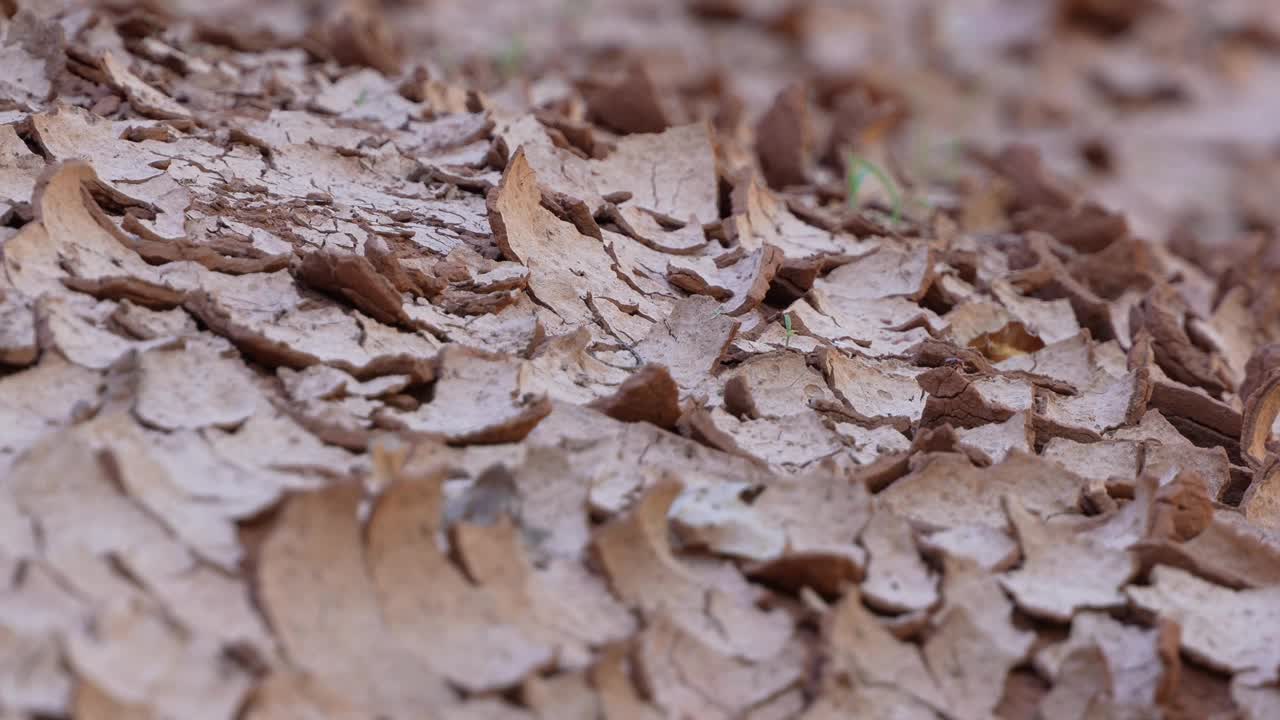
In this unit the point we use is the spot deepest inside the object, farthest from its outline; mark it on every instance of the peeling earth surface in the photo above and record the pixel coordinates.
(653, 359)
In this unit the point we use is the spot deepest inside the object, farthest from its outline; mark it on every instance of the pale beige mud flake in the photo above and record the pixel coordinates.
(690, 679)
(1228, 630)
(479, 398)
(1134, 656)
(636, 557)
(897, 579)
(1062, 571)
(144, 98)
(947, 490)
(740, 285)
(331, 624)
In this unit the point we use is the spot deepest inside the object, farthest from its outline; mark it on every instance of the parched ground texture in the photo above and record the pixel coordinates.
(697, 359)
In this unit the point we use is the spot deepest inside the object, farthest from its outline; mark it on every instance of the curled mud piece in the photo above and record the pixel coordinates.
(1260, 411)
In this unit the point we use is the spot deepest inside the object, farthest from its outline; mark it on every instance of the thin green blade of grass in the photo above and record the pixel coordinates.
(858, 169)
(512, 57)
(856, 176)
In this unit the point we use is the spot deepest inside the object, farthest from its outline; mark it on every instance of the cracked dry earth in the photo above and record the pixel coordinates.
(631, 360)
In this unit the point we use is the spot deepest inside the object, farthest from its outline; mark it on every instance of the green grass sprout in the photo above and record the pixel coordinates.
(786, 324)
(859, 168)
(512, 57)
(857, 174)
